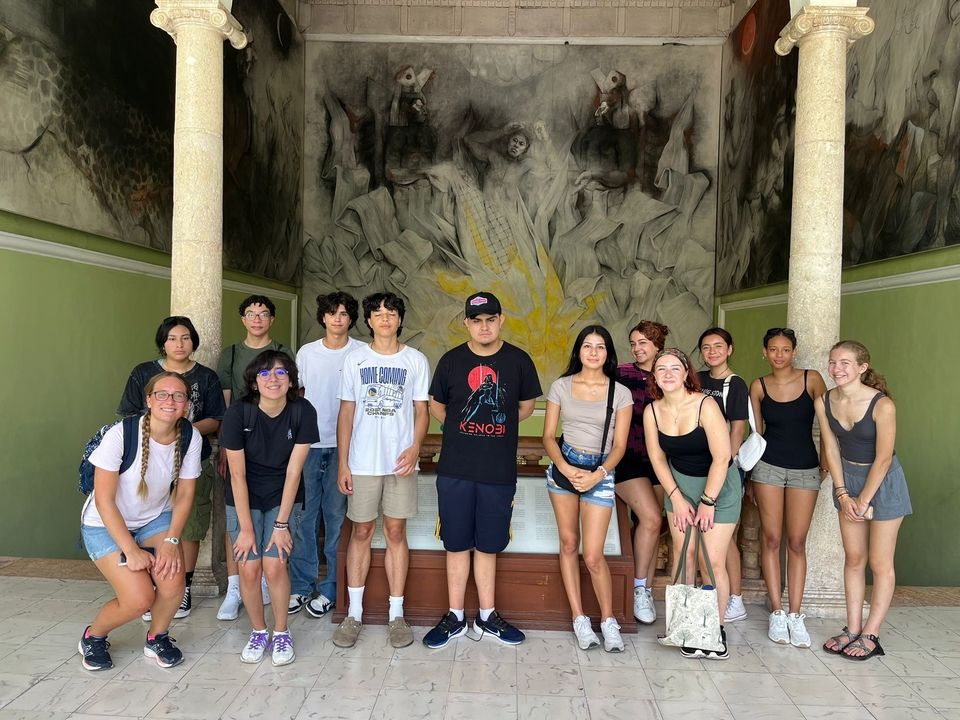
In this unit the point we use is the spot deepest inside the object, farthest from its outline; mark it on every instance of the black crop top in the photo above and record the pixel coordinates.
(859, 443)
(788, 430)
(690, 453)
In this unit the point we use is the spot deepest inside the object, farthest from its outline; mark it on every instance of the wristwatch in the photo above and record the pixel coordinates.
(172, 540)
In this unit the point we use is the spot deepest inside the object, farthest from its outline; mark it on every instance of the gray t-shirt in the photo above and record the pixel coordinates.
(583, 419)
(234, 360)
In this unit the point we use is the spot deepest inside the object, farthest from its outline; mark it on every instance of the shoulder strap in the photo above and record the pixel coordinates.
(873, 403)
(726, 390)
(233, 360)
(763, 385)
(826, 403)
(131, 438)
(249, 415)
(700, 410)
(296, 413)
(805, 380)
(186, 436)
(654, 411)
(606, 423)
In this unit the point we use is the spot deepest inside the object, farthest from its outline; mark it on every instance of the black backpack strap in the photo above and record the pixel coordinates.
(606, 423)
(131, 439)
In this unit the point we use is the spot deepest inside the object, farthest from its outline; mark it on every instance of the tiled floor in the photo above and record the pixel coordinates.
(546, 677)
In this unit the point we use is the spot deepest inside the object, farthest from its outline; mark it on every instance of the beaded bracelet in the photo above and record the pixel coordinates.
(707, 500)
(281, 525)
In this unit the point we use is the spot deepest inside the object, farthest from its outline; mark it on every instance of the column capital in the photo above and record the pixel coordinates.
(850, 22)
(171, 15)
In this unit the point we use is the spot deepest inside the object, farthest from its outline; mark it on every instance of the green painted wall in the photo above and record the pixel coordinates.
(912, 337)
(78, 329)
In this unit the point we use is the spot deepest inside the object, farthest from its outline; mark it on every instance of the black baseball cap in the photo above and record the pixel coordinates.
(482, 303)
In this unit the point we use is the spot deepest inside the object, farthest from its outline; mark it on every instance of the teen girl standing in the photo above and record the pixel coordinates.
(786, 481)
(858, 427)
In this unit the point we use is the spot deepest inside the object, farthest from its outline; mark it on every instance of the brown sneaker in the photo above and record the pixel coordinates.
(347, 632)
(400, 633)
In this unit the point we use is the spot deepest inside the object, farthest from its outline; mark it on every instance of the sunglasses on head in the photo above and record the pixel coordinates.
(772, 332)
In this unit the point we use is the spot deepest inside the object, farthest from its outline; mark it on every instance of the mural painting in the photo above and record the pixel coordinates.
(86, 127)
(902, 175)
(576, 183)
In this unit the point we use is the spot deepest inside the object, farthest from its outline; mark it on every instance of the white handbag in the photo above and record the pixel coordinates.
(751, 449)
(693, 617)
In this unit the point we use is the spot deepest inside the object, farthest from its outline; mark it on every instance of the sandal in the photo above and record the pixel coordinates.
(859, 645)
(839, 646)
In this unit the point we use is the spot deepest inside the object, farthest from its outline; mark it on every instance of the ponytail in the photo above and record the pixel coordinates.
(875, 380)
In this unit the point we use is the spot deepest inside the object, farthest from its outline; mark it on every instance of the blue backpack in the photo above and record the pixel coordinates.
(131, 439)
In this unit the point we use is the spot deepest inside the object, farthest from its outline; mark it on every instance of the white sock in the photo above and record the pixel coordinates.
(639, 582)
(458, 613)
(233, 583)
(485, 614)
(396, 607)
(356, 603)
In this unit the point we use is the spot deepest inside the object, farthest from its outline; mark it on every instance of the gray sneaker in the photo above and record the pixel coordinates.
(347, 632)
(400, 633)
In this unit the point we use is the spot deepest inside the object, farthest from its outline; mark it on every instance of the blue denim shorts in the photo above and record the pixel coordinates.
(99, 542)
(600, 494)
(263, 521)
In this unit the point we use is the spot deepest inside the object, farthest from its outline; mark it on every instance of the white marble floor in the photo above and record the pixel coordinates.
(547, 677)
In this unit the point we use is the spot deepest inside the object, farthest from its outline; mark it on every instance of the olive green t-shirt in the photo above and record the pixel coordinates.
(234, 360)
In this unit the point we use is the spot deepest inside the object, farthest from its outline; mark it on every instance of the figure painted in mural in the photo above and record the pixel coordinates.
(505, 154)
(608, 150)
(477, 469)
(177, 339)
(411, 143)
(636, 483)
(858, 428)
(266, 437)
(132, 522)
(733, 396)
(382, 423)
(595, 411)
(786, 480)
(689, 447)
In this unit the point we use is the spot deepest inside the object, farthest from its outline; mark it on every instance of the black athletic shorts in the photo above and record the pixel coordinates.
(474, 514)
(632, 466)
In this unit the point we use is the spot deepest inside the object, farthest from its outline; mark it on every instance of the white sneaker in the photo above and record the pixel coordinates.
(643, 608)
(612, 642)
(230, 607)
(586, 637)
(799, 637)
(297, 603)
(283, 653)
(147, 616)
(778, 628)
(735, 609)
(257, 645)
(264, 591)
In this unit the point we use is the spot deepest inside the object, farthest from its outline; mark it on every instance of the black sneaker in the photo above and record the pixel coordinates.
(320, 606)
(94, 651)
(499, 628)
(296, 603)
(721, 654)
(162, 649)
(186, 605)
(692, 652)
(446, 630)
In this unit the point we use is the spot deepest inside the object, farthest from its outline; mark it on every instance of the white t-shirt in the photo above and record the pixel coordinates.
(319, 369)
(384, 387)
(137, 511)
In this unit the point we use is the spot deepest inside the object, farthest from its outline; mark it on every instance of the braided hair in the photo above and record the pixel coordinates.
(142, 489)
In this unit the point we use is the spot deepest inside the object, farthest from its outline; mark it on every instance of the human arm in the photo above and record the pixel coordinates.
(525, 408)
(133, 399)
(105, 498)
(830, 458)
(885, 416)
(344, 431)
(246, 540)
(281, 537)
(169, 556)
(815, 384)
(551, 421)
(438, 410)
(407, 460)
(683, 512)
(718, 440)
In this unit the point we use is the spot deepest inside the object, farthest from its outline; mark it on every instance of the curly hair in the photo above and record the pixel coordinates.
(653, 331)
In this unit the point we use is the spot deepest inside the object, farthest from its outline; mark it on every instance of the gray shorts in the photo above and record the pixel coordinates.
(892, 499)
(789, 478)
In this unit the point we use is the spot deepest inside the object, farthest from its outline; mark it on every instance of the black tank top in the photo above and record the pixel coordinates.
(859, 443)
(788, 430)
(690, 453)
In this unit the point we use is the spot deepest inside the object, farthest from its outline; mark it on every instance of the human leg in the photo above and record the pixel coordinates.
(770, 500)
(303, 560)
(798, 511)
(566, 509)
(333, 506)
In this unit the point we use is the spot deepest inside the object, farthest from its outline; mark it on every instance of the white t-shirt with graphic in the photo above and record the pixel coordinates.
(384, 387)
(319, 369)
(137, 511)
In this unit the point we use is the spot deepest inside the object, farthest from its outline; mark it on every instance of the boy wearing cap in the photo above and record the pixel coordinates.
(481, 390)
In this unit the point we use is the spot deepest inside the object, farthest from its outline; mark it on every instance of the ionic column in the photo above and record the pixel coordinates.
(823, 34)
(199, 27)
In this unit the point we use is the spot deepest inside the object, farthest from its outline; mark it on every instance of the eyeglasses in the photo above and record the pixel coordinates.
(773, 332)
(164, 395)
(250, 315)
(278, 373)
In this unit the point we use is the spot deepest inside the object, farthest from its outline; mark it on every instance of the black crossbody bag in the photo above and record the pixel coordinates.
(560, 479)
